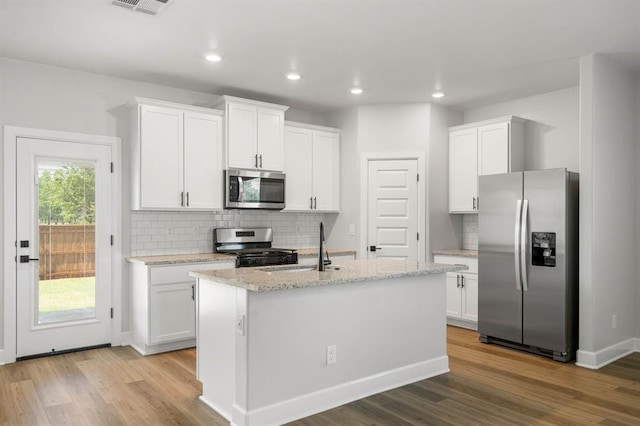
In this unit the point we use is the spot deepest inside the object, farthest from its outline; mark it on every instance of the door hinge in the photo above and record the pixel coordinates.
(111, 167)
(111, 239)
(111, 313)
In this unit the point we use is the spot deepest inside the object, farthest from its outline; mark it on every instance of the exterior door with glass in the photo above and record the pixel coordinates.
(63, 261)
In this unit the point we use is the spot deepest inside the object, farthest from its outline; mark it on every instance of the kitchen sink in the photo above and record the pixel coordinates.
(297, 268)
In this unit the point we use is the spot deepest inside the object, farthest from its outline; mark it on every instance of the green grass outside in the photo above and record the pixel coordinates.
(67, 293)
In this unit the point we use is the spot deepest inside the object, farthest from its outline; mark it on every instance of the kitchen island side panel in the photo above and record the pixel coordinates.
(380, 328)
(216, 345)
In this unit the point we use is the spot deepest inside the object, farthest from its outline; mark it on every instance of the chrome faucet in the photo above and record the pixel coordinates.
(321, 251)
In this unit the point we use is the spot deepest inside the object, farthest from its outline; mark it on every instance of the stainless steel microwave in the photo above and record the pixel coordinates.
(252, 189)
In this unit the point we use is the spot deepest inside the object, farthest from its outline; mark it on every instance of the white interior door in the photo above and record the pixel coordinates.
(392, 211)
(64, 226)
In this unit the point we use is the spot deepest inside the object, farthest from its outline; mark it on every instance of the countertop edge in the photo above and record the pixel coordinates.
(456, 253)
(195, 258)
(246, 277)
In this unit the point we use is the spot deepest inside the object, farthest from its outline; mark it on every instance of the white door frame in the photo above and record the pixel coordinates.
(423, 199)
(11, 135)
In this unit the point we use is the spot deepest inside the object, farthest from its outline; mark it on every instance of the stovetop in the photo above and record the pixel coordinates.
(252, 247)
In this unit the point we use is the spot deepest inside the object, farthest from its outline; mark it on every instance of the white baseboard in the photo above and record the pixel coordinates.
(217, 409)
(2, 362)
(163, 347)
(598, 359)
(306, 405)
(470, 325)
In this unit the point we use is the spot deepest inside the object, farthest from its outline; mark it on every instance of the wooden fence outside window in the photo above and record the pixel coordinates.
(67, 251)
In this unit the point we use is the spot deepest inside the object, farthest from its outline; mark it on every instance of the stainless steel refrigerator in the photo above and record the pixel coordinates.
(528, 261)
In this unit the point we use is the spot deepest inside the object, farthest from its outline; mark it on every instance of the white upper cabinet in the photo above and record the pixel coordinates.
(312, 167)
(482, 148)
(176, 156)
(254, 133)
(463, 169)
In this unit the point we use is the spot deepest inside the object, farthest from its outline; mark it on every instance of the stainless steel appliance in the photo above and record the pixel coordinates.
(251, 189)
(528, 261)
(252, 247)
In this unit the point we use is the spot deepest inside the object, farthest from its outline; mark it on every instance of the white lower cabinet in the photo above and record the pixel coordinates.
(462, 292)
(163, 306)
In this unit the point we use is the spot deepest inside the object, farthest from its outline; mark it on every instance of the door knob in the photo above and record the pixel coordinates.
(374, 248)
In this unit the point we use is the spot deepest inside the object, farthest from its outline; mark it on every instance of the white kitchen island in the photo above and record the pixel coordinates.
(263, 335)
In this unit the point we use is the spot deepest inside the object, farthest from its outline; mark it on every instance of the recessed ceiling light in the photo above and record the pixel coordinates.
(356, 90)
(212, 57)
(437, 95)
(293, 76)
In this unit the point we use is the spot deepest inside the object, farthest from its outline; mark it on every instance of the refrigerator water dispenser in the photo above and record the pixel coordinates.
(543, 249)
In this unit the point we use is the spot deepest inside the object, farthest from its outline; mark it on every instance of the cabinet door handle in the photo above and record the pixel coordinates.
(256, 160)
(182, 199)
(474, 203)
(193, 292)
(260, 160)
(311, 203)
(462, 281)
(458, 280)
(315, 203)
(187, 199)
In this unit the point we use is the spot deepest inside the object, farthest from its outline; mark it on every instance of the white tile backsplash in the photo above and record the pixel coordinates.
(470, 232)
(158, 233)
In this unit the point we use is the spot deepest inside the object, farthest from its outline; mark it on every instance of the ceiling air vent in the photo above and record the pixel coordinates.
(152, 7)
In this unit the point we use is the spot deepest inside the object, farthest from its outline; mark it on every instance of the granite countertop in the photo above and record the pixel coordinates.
(456, 252)
(177, 259)
(350, 271)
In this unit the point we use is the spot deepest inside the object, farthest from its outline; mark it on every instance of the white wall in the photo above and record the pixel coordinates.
(338, 225)
(393, 129)
(552, 132)
(637, 227)
(51, 98)
(445, 230)
(608, 161)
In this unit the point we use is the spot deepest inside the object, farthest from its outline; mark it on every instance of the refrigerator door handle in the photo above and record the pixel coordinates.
(516, 245)
(523, 244)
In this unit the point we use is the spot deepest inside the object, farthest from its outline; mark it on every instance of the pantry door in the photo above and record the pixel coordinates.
(392, 210)
(63, 228)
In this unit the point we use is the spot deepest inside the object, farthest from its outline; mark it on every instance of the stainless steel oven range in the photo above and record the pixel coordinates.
(252, 247)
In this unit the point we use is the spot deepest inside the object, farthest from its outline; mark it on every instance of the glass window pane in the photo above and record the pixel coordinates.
(66, 218)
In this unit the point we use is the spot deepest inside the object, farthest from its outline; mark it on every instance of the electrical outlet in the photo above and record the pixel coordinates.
(331, 354)
(240, 325)
(614, 321)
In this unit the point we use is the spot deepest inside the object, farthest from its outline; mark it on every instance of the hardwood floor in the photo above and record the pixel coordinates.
(487, 385)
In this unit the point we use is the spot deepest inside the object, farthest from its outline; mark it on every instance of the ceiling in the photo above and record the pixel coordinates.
(477, 52)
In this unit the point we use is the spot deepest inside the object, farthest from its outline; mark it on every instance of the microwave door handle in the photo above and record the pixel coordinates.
(516, 244)
(523, 244)
(240, 189)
